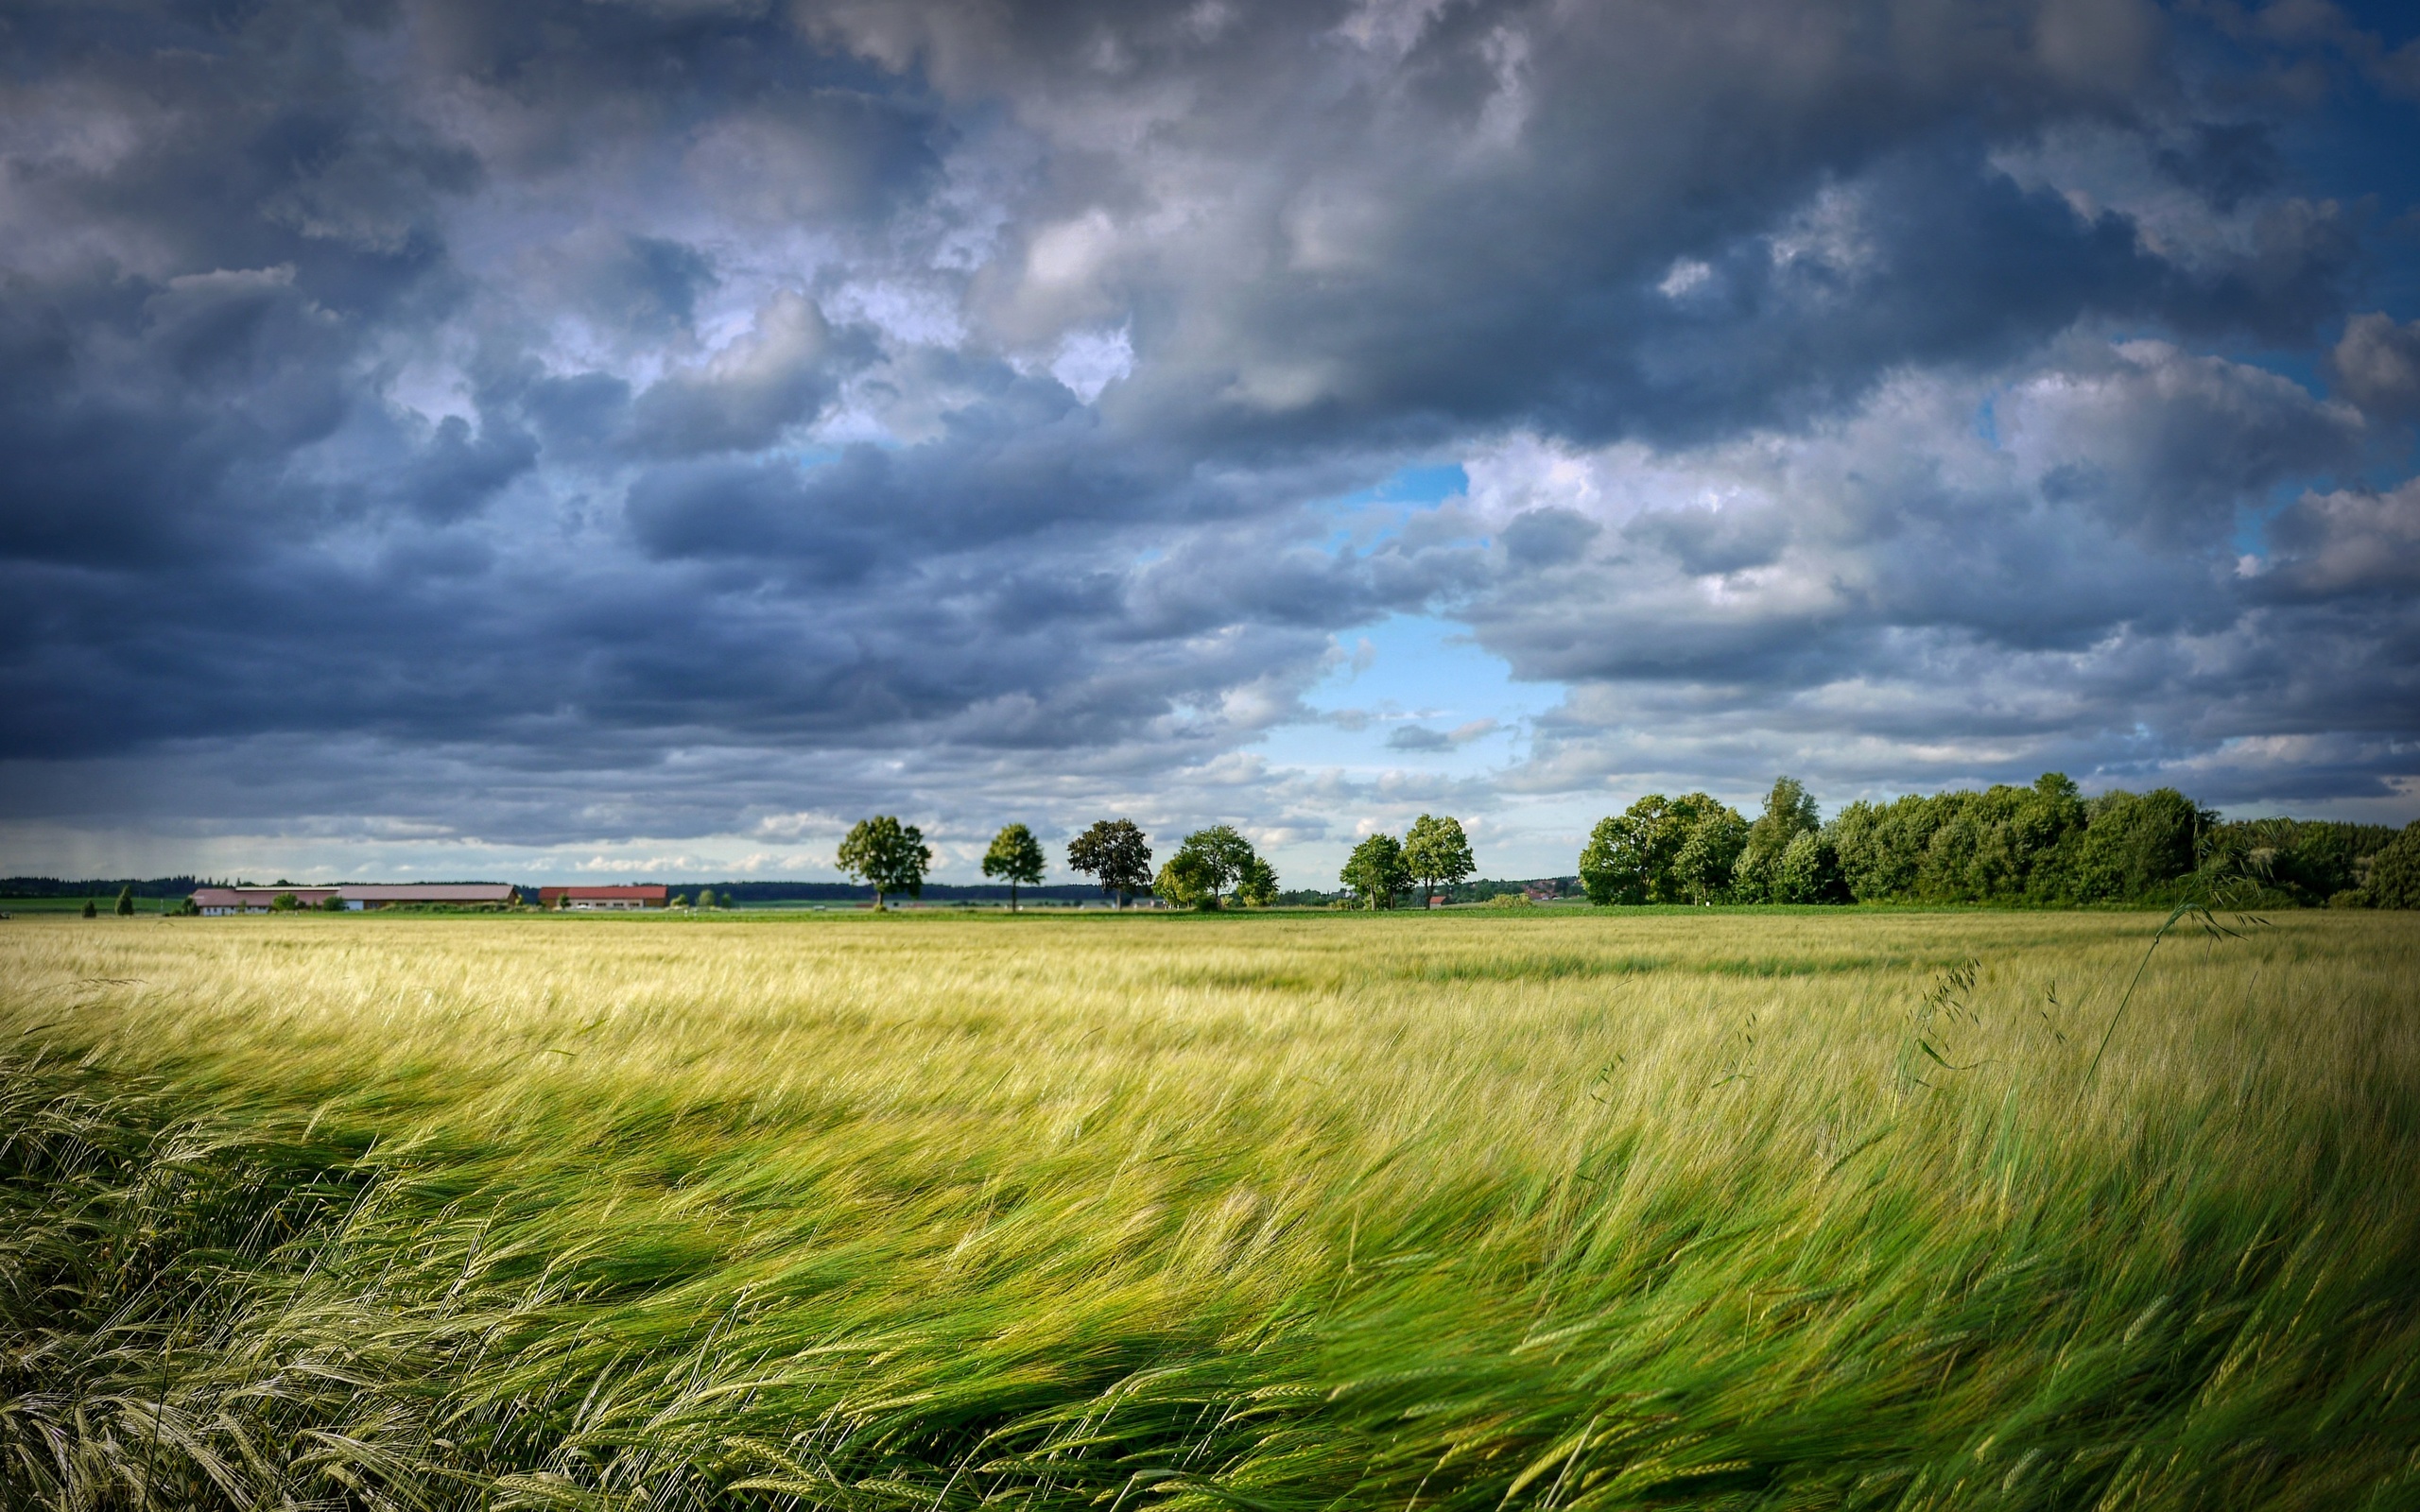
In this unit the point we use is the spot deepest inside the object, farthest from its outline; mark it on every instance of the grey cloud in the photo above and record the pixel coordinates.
(2376, 364)
(653, 404)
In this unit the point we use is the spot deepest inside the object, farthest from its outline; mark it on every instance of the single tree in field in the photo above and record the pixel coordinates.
(1257, 887)
(1375, 871)
(1113, 852)
(1015, 857)
(705, 898)
(1436, 851)
(91, 909)
(126, 901)
(887, 855)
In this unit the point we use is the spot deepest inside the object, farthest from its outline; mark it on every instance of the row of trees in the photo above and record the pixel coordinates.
(1211, 867)
(2045, 844)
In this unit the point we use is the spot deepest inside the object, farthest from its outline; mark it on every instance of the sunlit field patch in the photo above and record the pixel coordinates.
(1274, 1213)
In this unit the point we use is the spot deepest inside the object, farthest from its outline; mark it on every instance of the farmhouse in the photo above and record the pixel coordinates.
(596, 898)
(352, 895)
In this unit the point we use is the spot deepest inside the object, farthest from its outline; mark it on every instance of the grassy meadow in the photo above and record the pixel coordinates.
(1279, 1213)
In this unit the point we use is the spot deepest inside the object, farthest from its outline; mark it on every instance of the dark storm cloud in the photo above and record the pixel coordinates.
(914, 394)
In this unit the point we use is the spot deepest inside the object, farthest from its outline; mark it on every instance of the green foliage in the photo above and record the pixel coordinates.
(126, 903)
(1436, 851)
(706, 897)
(1663, 851)
(887, 855)
(1374, 872)
(332, 903)
(2135, 845)
(91, 910)
(1220, 856)
(1015, 858)
(2394, 879)
(1257, 886)
(284, 902)
(1188, 880)
(1114, 853)
(1789, 812)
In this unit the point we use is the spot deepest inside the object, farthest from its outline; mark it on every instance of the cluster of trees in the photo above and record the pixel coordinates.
(1211, 867)
(2045, 844)
(1433, 853)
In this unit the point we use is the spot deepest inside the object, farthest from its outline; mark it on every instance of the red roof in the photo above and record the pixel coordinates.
(652, 892)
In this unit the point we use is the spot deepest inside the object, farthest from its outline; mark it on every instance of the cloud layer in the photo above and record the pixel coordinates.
(570, 427)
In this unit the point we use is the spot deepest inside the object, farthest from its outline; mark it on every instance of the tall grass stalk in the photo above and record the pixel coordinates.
(1278, 1214)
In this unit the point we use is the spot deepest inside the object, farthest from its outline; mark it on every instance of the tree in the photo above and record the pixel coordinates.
(1789, 812)
(91, 909)
(1436, 851)
(1116, 853)
(284, 902)
(332, 903)
(126, 901)
(2395, 872)
(1375, 872)
(1223, 854)
(887, 855)
(1257, 887)
(706, 897)
(1808, 872)
(1016, 857)
(1189, 881)
(1712, 836)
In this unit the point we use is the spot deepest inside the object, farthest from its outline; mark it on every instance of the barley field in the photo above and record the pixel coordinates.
(1278, 1213)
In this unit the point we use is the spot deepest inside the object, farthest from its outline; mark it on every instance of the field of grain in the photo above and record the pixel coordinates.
(1273, 1213)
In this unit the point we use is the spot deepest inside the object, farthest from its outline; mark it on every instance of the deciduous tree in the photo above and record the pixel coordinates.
(1189, 881)
(1436, 851)
(1376, 872)
(1015, 857)
(1116, 853)
(887, 855)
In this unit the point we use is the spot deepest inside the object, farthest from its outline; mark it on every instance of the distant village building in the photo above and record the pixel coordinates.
(603, 898)
(248, 899)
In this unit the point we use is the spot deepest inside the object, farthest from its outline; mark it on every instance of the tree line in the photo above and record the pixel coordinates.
(2044, 844)
(1212, 869)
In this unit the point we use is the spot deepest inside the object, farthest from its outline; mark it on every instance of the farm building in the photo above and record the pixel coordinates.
(217, 901)
(459, 894)
(596, 898)
(352, 895)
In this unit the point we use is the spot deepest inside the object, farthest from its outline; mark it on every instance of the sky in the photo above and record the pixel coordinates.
(587, 439)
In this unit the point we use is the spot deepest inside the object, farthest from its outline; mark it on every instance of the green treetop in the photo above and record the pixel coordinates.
(1375, 872)
(887, 855)
(1116, 853)
(1436, 851)
(1015, 857)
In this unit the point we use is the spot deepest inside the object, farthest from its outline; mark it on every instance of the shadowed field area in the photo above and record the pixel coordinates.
(1269, 1213)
